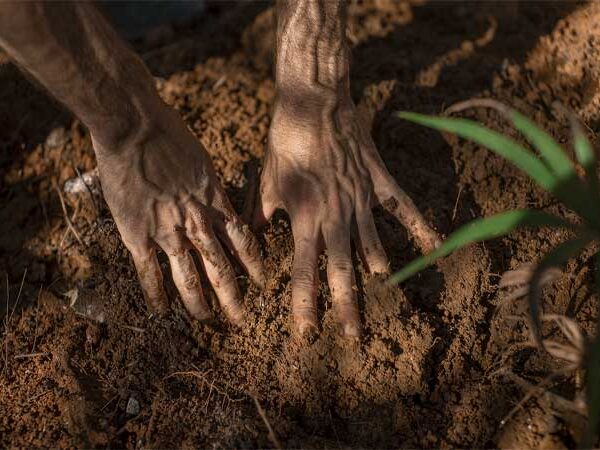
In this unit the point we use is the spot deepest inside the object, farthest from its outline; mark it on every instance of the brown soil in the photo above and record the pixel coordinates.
(439, 364)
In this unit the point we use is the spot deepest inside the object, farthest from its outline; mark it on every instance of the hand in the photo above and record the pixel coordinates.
(323, 169)
(163, 193)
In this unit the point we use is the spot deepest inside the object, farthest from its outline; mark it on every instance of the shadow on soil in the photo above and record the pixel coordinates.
(433, 66)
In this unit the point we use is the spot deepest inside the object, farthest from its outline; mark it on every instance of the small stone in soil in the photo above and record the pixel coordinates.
(133, 407)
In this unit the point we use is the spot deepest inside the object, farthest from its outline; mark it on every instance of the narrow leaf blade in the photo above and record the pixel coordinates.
(548, 148)
(570, 188)
(505, 147)
(477, 231)
(583, 151)
(586, 156)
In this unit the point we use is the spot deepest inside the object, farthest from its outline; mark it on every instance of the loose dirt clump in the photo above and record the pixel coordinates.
(442, 360)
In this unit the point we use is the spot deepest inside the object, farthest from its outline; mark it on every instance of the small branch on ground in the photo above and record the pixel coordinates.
(456, 204)
(31, 355)
(263, 416)
(66, 214)
(478, 103)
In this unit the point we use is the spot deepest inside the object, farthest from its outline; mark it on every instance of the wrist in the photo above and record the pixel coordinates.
(117, 99)
(312, 61)
(129, 120)
(310, 84)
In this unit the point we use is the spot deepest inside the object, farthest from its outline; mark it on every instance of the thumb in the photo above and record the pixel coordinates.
(260, 202)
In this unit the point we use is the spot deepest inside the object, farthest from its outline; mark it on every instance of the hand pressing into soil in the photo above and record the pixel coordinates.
(163, 193)
(324, 170)
(157, 179)
(322, 166)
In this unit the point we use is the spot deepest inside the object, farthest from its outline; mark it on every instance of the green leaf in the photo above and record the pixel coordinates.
(590, 435)
(505, 147)
(549, 150)
(584, 151)
(477, 231)
(570, 188)
(555, 257)
(586, 156)
(561, 182)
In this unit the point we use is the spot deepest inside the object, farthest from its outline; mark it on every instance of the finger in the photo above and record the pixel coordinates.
(305, 282)
(340, 275)
(235, 234)
(243, 244)
(151, 280)
(369, 244)
(251, 190)
(266, 202)
(397, 203)
(187, 281)
(220, 273)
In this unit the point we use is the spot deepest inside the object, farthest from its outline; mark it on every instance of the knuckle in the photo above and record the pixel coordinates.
(303, 277)
(373, 245)
(347, 302)
(243, 238)
(304, 308)
(249, 242)
(205, 250)
(216, 261)
(225, 271)
(198, 225)
(191, 282)
(150, 276)
(141, 251)
(179, 254)
(184, 271)
(342, 265)
(302, 242)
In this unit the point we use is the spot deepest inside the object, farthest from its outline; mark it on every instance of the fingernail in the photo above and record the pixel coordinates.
(352, 330)
(235, 313)
(381, 269)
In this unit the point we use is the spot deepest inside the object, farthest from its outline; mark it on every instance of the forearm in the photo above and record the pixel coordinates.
(73, 52)
(312, 55)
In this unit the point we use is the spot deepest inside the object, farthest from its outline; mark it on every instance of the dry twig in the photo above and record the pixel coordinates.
(89, 190)
(456, 204)
(66, 214)
(263, 416)
(31, 355)
(535, 391)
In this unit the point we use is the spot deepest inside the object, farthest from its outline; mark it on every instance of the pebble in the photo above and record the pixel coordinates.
(133, 407)
(56, 138)
(88, 181)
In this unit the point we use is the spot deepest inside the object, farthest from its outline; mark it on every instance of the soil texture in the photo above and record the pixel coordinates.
(444, 360)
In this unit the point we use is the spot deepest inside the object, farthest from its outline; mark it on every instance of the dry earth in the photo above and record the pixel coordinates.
(441, 364)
